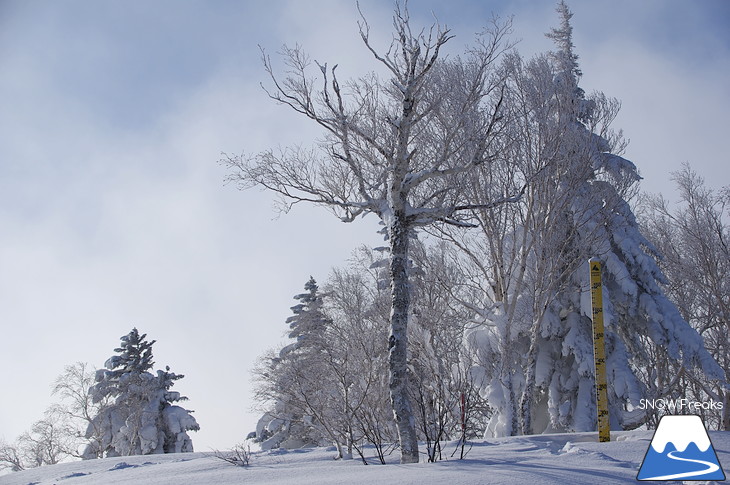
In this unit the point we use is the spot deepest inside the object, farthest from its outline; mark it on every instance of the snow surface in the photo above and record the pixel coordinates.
(559, 459)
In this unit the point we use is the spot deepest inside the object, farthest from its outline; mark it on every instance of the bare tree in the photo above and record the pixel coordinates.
(694, 238)
(437, 362)
(48, 442)
(11, 458)
(398, 149)
(60, 434)
(240, 455)
(77, 406)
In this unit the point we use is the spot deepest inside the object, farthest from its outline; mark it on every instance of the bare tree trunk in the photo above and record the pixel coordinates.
(398, 341)
(397, 148)
(528, 394)
(514, 421)
(530, 391)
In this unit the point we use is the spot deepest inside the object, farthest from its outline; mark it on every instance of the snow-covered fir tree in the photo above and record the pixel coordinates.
(173, 420)
(140, 417)
(637, 313)
(307, 324)
(290, 379)
(535, 337)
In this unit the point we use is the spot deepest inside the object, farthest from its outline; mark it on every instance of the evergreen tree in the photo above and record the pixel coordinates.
(140, 418)
(306, 324)
(534, 344)
(173, 421)
(135, 355)
(292, 380)
(637, 313)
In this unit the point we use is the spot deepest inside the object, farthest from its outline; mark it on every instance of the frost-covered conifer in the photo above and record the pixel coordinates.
(292, 379)
(535, 341)
(307, 323)
(636, 311)
(173, 421)
(140, 417)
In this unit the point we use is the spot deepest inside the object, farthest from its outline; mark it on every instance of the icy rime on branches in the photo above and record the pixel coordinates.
(519, 173)
(294, 382)
(398, 148)
(330, 386)
(533, 336)
(140, 417)
(695, 241)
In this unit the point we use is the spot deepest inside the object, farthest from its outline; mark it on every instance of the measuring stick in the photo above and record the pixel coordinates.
(599, 351)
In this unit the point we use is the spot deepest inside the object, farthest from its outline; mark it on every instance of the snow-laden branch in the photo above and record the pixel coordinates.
(401, 148)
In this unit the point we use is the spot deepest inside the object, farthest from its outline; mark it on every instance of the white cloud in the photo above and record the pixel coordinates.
(674, 106)
(139, 230)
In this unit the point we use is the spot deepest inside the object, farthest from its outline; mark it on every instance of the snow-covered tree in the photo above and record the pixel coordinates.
(534, 341)
(77, 406)
(139, 417)
(308, 323)
(291, 380)
(398, 148)
(694, 238)
(173, 421)
(60, 433)
(330, 386)
(357, 350)
(637, 313)
(11, 457)
(48, 442)
(588, 182)
(446, 398)
(524, 253)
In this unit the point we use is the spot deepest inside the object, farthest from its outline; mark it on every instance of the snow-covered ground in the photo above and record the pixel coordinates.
(543, 459)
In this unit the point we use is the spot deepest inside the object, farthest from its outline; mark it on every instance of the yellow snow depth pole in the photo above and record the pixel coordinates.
(599, 351)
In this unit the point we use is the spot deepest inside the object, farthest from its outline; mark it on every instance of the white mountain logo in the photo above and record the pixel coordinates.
(681, 449)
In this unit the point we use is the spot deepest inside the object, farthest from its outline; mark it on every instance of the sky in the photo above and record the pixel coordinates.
(113, 208)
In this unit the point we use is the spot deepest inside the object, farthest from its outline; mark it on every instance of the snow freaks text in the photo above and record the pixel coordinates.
(680, 405)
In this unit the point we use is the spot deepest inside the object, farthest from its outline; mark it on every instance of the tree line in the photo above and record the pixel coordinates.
(495, 179)
(328, 385)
